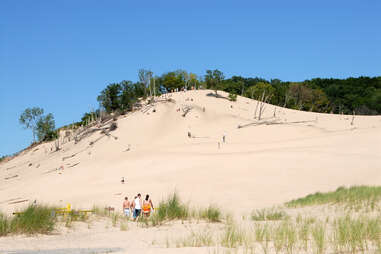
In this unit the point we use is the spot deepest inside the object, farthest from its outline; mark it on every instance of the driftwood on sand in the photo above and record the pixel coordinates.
(10, 177)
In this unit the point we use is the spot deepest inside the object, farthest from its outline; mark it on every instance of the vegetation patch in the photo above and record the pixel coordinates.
(355, 195)
(33, 220)
(170, 209)
(268, 214)
(211, 214)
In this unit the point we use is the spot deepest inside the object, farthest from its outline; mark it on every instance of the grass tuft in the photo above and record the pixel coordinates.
(355, 195)
(4, 224)
(211, 214)
(170, 209)
(34, 219)
(268, 214)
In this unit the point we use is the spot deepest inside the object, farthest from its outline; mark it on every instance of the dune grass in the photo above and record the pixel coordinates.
(196, 239)
(211, 214)
(355, 195)
(169, 209)
(172, 208)
(4, 224)
(33, 220)
(268, 214)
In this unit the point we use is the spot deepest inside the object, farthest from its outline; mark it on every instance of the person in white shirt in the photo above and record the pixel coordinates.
(137, 206)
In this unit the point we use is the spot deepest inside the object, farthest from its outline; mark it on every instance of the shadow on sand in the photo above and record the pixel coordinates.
(217, 96)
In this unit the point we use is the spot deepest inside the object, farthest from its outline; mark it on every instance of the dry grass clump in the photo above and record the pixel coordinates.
(355, 196)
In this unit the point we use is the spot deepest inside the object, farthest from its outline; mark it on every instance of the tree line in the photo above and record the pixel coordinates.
(360, 95)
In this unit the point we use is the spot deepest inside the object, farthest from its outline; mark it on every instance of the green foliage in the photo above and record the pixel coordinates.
(259, 90)
(211, 214)
(51, 135)
(362, 95)
(171, 208)
(45, 128)
(110, 97)
(30, 117)
(352, 196)
(213, 79)
(232, 97)
(34, 219)
(268, 214)
(42, 125)
(4, 224)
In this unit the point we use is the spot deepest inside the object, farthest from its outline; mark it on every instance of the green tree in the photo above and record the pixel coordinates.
(29, 119)
(213, 79)
(45, 127)
(128, 96)
(110, 97)
(260, 89)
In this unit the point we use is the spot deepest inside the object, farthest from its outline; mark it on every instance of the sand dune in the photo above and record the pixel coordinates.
(260, 165)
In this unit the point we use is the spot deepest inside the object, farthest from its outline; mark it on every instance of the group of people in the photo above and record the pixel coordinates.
(136, 206)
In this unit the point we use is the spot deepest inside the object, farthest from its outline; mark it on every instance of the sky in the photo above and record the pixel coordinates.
(59, 55)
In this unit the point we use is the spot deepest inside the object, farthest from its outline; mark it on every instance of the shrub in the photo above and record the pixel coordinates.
(51, 135)
(34, 219)
(232, 97)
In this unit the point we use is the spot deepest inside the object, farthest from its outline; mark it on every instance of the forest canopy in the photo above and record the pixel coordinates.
(360, 95)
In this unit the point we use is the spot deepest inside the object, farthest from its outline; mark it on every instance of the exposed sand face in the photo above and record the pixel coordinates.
(258, 166)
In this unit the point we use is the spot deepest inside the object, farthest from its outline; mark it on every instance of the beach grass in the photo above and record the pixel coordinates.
(362, 196)
(268, 214)
(33, 220)
(4, 224)
(211, 214)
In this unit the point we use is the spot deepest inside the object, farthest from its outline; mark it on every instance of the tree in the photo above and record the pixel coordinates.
(173, 79)
(213, 79)
(128, 96)
(145, 78)
(45, 128)
(29, 119)
(110, 97)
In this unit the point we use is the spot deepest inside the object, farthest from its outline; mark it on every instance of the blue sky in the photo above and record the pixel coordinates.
(59, 55)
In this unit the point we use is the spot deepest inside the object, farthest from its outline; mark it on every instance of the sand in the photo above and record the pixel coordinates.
(265, 163)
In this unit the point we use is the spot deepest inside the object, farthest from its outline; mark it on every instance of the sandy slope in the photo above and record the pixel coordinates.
(258, 166)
